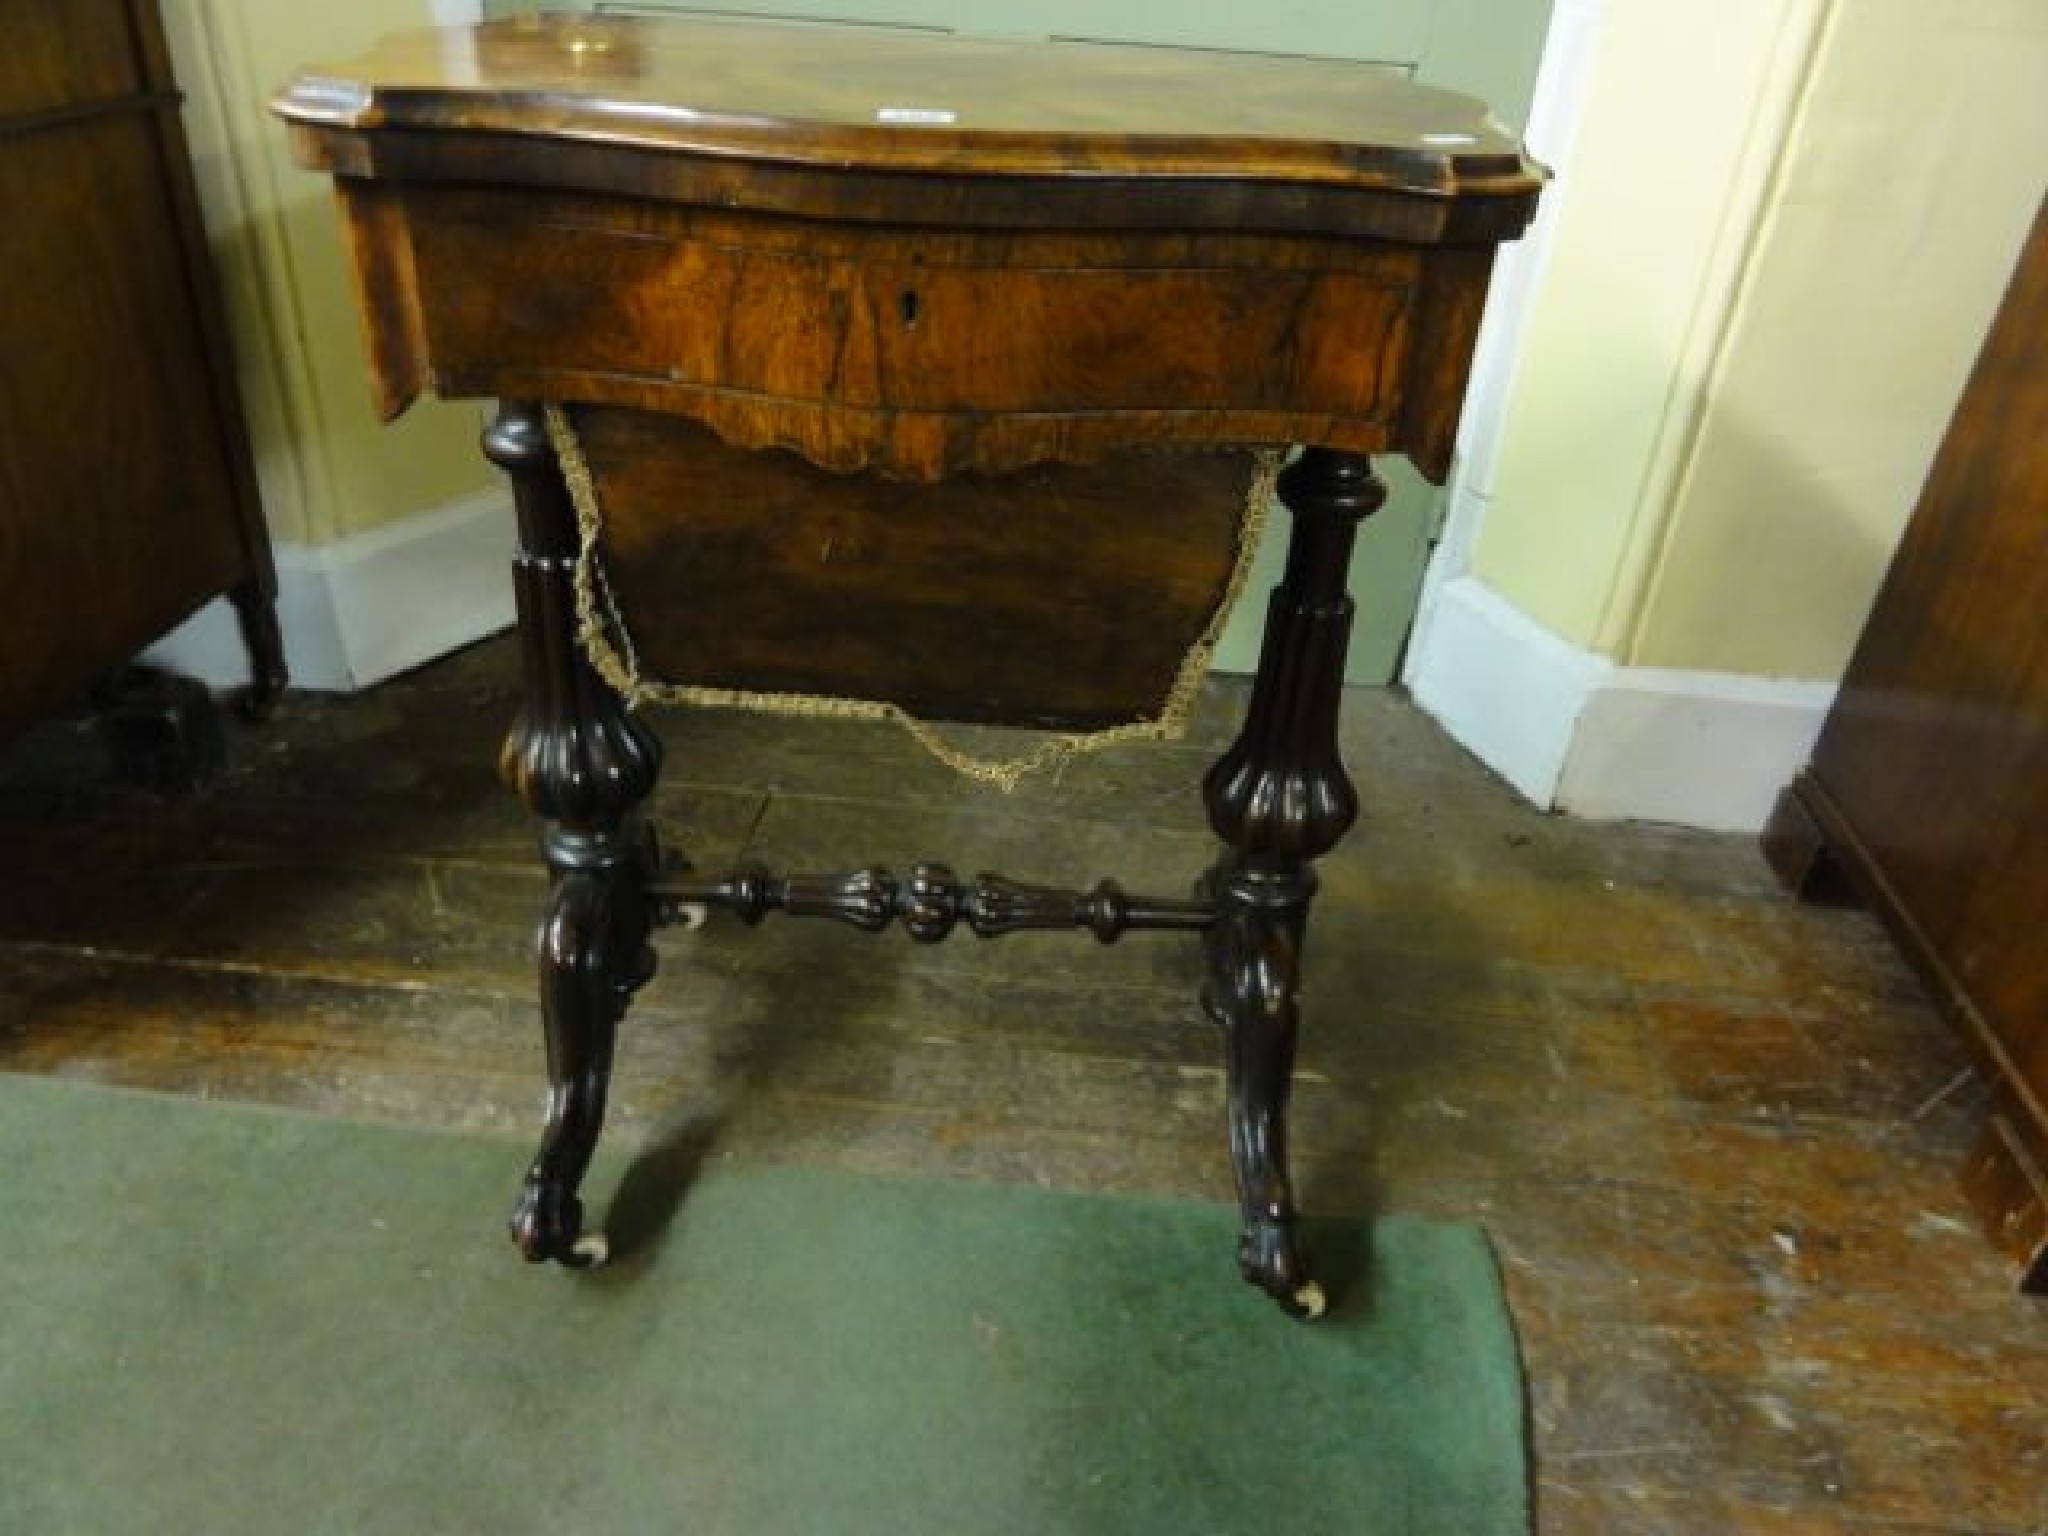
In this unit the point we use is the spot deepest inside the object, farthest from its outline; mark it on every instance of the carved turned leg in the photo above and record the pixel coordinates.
(583, 765)
(1279, 797)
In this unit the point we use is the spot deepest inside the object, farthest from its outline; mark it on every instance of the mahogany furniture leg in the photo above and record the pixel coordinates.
(583, 764)
(1280, 798)
(256, 611)
(1797, 848)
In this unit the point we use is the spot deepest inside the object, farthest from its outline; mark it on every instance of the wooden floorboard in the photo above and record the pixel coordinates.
(1713, 1134)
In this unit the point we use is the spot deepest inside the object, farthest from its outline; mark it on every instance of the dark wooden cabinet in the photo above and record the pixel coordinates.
(1929, 785)
(127, 498)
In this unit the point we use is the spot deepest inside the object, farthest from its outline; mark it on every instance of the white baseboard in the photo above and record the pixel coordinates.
(1574, 732)
(370, 606)
(1505, 687)
(1703, 749)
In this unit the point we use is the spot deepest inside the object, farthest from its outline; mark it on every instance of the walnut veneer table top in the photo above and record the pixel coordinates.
(923, 101)
(852, 100)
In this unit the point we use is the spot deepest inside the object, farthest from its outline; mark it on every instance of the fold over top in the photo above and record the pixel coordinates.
(914, 104)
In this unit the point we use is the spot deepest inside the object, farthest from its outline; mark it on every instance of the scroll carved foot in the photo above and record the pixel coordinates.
(593, 955)
(548, 1224)
(1269, 1255)
(1254, 965)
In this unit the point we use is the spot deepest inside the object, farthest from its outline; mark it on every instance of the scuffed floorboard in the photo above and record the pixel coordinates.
(1714, 1134)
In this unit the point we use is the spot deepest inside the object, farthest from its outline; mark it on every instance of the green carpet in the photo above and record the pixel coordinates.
(227, 1320)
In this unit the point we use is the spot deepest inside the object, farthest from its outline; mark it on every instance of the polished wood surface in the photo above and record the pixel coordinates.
(914, 351)
(127, 496)
(686, 225)
(67, 57)
(855, 100)
(1930, 780)
(1172, 247)
(990, 598)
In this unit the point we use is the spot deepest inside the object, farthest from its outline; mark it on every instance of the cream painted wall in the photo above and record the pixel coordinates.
(1778, 240)
(1675, 126)
(1909, 180)
(327, 467)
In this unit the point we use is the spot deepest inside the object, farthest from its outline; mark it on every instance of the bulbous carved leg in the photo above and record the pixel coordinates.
(1280, 799)
(582, 764)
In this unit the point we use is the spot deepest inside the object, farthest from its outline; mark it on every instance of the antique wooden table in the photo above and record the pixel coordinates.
(974, 270)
